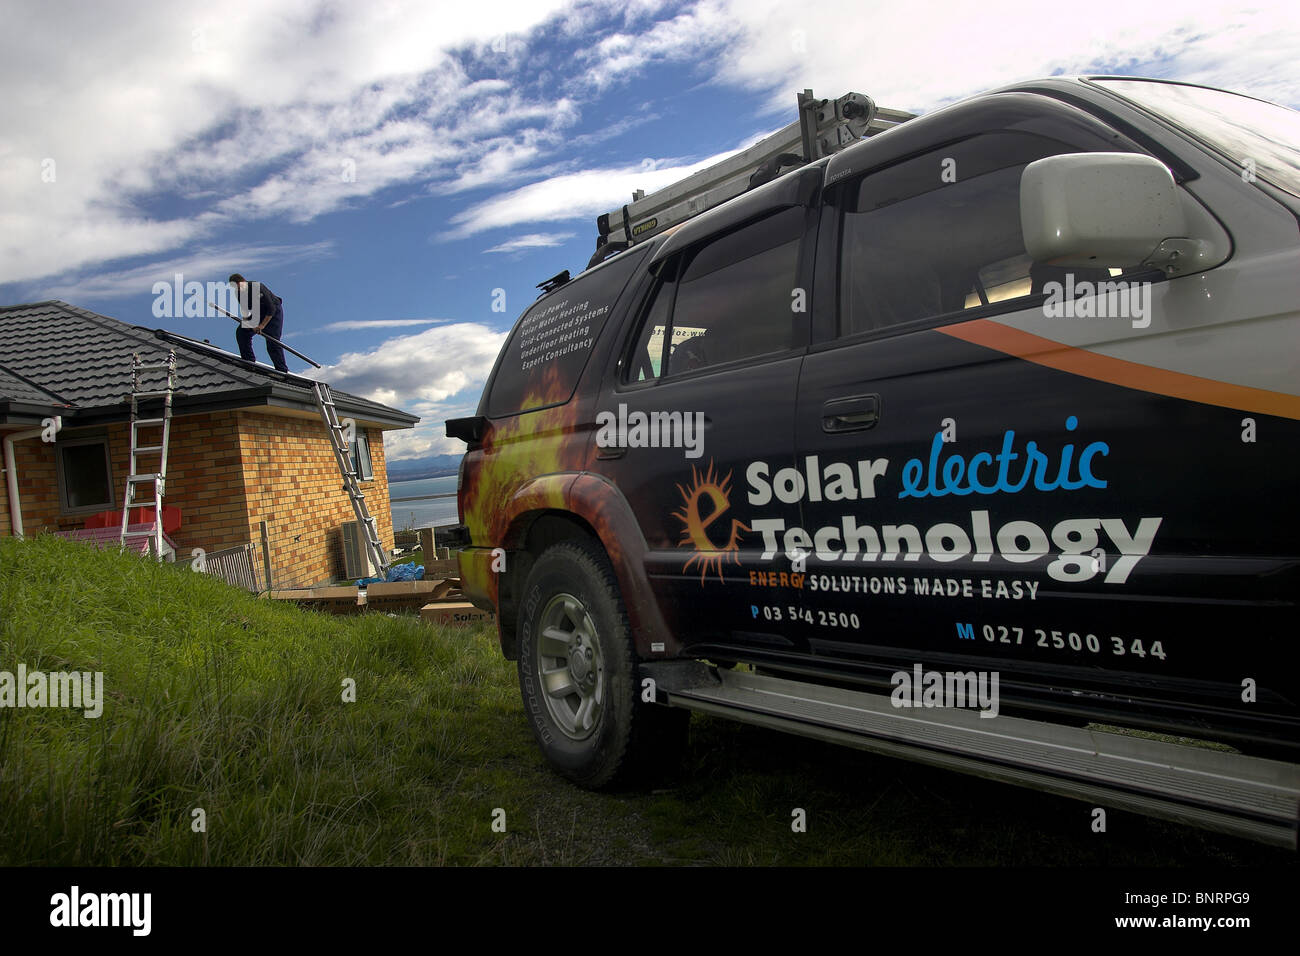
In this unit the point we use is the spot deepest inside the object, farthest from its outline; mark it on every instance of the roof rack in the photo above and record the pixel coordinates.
(824, 127)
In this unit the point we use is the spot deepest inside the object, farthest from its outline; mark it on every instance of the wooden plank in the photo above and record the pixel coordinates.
(435, 569)
(381, 596)
(337, 600)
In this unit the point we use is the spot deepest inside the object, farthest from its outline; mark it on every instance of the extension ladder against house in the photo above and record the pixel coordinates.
(347, 468)
(135, 477)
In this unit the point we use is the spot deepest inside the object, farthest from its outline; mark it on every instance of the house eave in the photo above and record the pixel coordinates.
(29, 414)
(268, 397)
(364, 415)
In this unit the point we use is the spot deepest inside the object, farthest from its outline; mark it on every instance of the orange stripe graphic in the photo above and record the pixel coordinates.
(1104, 368)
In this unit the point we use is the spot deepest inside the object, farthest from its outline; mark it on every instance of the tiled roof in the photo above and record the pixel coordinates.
(84, 359)
(16, 389)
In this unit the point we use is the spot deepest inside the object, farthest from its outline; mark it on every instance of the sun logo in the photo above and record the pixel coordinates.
(695, 526)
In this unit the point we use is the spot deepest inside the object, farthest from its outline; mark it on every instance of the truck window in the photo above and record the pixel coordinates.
(551, 342)
(731, 302)
(940, 233)
(647, 358)
(1252, 133)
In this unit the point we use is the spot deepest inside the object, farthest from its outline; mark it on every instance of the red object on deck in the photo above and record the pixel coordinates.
(113, 519)
(107, 536)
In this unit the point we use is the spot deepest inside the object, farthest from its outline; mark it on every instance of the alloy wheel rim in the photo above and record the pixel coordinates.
(570, 666)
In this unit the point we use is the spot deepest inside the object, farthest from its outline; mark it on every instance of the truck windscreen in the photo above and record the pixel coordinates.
(1258, 136)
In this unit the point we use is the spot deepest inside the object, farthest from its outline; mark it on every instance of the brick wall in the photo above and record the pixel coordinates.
(293, 483)
(4, 486)
(227, 472)
(203, 480)
(38, 490)
(4, 501)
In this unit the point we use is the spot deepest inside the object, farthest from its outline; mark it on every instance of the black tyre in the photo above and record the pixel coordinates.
(578, 678)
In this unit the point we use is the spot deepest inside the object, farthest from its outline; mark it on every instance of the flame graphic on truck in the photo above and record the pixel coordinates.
(514, 451)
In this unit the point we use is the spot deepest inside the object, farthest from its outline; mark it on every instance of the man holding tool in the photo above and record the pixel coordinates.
(265, 314)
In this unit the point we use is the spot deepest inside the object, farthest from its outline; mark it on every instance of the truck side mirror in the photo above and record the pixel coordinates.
(1099, 210)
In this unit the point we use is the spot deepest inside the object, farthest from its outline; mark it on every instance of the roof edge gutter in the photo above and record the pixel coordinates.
(11, 474)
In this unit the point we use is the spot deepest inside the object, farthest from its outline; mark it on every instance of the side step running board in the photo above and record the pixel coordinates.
(1249, 797)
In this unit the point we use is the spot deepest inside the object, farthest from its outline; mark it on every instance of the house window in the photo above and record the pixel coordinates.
(85, 475)
(360, 452)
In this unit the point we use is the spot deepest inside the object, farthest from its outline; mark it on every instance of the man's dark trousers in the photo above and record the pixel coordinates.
(244, 336)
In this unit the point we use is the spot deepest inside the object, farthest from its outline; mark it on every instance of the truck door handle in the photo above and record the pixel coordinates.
(851, 414)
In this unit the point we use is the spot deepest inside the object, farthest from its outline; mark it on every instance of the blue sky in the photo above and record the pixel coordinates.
(385, 166)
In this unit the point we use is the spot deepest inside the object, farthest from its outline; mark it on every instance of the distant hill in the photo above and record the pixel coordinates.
(431, 466)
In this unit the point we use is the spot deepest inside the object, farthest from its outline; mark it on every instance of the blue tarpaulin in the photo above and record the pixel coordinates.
(398, 572)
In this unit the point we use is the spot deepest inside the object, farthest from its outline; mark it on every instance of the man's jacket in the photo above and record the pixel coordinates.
(268, 303)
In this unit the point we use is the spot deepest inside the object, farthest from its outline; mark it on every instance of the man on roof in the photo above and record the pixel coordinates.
(261, 310)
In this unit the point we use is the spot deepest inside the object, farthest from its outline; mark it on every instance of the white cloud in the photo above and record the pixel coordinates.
(204, 265)
(259, 103)
(239, 111)
(437, 374)
(579, 195)
(432, 365)
(430, 436)
(775, 47)
(352, 324)
(534, 240)
(920, 55)
(424, 439)
(693, 36)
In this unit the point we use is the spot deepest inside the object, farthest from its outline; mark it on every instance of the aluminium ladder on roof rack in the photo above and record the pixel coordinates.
(135, 477)
(824, 127)
(339, 442)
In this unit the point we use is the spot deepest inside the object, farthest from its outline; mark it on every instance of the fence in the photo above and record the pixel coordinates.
(234, 566)
(248, 566)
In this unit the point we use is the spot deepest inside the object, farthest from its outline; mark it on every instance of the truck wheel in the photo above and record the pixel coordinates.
(577, 674)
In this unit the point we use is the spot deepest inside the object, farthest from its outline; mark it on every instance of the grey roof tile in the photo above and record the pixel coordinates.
(15, 388)
(85, 359)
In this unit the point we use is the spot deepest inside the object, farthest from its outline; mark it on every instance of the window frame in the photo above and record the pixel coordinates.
(676, 266)
(368, 473)
(77, 441)
(646, 300)
(615, 315)
(837, 196)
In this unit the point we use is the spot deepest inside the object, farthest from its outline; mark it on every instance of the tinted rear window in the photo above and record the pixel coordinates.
(552, 341)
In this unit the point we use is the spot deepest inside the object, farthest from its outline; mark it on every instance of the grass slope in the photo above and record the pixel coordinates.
(218, 700)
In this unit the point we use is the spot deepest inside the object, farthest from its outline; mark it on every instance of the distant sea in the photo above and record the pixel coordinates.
(423, 514)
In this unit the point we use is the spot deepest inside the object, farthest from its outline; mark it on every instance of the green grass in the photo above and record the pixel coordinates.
(414, 557)
(222, 701)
